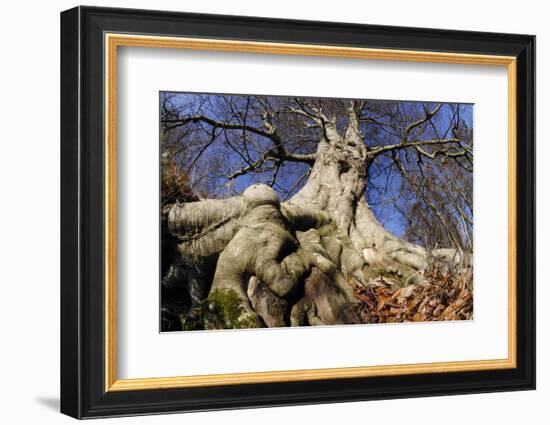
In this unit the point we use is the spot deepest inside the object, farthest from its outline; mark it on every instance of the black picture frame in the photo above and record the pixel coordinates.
(83, 392)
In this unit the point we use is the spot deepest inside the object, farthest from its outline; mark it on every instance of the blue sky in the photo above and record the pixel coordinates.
(228, 161)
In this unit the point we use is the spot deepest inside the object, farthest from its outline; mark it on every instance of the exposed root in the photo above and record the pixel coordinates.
(279, 265)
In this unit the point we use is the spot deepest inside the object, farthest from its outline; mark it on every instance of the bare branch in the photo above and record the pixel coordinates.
(274, 156)
(418, 144)
(249, 168)
(215, 124)
(425, 119)
(213, 137)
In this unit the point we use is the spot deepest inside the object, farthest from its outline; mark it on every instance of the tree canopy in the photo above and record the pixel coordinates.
(419, 155)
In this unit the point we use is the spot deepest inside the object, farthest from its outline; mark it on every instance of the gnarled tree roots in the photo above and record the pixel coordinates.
(250, 261)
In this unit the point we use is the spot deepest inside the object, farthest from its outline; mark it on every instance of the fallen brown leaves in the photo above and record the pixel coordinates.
(444, 296)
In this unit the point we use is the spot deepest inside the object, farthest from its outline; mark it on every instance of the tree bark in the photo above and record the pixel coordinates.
(336, 185)
(276, 264)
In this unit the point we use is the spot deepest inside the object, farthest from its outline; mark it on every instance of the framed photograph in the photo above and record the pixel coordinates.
(261, 212)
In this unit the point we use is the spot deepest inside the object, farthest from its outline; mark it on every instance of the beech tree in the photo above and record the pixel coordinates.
(288, 250)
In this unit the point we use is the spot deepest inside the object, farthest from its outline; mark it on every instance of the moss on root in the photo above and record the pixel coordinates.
(221, 310)
(225, 307)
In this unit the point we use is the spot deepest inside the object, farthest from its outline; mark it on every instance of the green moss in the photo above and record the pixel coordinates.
(226, 303)
(226, 311)
(248, 321)
(221, 310)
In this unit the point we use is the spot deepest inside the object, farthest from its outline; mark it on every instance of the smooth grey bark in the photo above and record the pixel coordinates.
(291, 263)
(336, 185)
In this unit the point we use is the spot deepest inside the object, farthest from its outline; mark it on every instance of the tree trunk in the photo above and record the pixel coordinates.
(336, 185)
(292, 264)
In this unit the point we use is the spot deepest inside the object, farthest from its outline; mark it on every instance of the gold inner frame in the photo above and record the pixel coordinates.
(113, 41)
